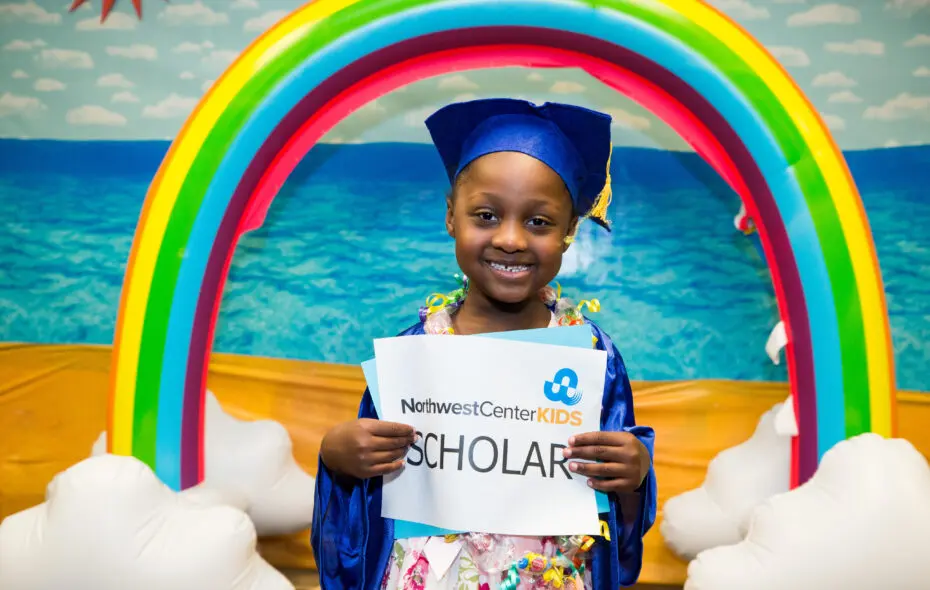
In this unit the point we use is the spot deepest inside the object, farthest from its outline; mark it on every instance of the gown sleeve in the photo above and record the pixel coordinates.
(351, 541)
(618, 563)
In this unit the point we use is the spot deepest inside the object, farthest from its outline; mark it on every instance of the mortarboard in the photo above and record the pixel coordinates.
(572, 140)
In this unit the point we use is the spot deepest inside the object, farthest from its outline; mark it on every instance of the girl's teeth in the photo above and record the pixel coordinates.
(509, 268)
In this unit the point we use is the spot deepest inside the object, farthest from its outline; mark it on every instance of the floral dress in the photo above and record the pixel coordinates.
(480, 561)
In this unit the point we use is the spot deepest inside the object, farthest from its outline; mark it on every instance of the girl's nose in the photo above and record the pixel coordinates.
(510, 237)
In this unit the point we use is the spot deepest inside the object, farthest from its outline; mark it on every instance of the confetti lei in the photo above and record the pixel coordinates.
(439, 308)
(566, 568)
(563, 569)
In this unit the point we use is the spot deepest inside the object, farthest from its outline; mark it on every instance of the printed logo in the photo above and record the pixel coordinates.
(563, 388)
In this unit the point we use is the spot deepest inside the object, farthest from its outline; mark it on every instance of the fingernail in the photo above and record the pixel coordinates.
(573, 466)
(571, 441)
(416, 437)
(566, 453)
(590, 484)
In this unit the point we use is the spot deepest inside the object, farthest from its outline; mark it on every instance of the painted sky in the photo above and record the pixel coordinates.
(865, 64)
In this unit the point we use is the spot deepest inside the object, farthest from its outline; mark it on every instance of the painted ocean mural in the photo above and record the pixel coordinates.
(354, 243)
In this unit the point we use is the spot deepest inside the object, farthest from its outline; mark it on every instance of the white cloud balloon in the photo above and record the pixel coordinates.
(861, 522)
(253, 462)
(737, 481)
(110, 524)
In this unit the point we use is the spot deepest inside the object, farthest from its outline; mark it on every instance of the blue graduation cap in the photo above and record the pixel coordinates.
(572, 140)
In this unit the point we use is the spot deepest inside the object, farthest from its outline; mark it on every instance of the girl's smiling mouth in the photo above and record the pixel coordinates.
(508, 270)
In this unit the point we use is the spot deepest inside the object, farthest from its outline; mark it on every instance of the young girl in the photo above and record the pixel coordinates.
(522, 176)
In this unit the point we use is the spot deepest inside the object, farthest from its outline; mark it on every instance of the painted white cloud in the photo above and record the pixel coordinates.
(922, 72)
(244, 4)
(790, 56)
(12, 105)
(28, 12)
(741, 9)
(19, 74)
(907, 7)
(253, 461)
(374, 108)
(826, 14)
(339, 140)
(134, 51)
(564, 87)
(464, 97)
(65, 59)
(219, 58)
(93, 115)
(114, 81)
(171, 107)
(844, 97)
(187, 76)
(456, 82)
(265, 21)
(535, 77)
(896, 143)
(109, 524)
(626, 120)
(737, 481)
(413, 118)
(920, 40)
(857, 47)
(124, 96)
(48, 85)
(859, 528)
(195, 14)
(21, 45)
(206, 85)
(189, 47)
(116, 21)
(834, 122)
(903, 106)
(833, 79)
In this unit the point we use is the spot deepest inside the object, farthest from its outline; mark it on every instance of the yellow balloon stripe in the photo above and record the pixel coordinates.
(164, 195)
(843, 192)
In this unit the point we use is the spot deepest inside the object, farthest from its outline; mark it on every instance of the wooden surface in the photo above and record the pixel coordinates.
(53, 403)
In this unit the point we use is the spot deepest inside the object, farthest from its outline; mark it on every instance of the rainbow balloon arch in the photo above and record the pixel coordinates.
(686, 62)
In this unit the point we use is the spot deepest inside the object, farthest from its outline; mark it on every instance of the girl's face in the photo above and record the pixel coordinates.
(509, 215)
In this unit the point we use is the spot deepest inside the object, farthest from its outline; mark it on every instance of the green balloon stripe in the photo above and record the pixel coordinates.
(326, 31)
(193, 190)
(809, 178)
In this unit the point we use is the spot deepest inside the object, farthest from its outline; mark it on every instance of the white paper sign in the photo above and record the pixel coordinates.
(493, 417)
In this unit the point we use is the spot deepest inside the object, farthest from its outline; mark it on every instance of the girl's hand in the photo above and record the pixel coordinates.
(365, 448)
(623, 460)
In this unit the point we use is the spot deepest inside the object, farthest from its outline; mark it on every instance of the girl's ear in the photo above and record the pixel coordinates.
(450, 214)
(570, 237)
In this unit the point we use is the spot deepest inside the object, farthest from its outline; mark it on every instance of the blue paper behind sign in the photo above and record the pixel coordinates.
(576, 336)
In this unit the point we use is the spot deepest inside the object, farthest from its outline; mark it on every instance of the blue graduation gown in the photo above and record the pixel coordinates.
(352, 542)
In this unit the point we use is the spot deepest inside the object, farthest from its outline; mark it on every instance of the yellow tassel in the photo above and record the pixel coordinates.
(605, 530)
(599, 209)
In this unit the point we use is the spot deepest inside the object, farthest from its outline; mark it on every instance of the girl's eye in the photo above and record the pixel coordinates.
(485, 216)
(538, 222)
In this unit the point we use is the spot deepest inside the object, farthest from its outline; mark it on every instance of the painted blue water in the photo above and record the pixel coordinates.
(355, 242)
